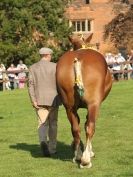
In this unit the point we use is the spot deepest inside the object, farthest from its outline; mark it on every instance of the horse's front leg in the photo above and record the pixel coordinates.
(75, 129)
(89, 129)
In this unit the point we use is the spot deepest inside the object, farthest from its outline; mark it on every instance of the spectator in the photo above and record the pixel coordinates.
(16, 81)
(22, 74)
(12, 75)
(110, 60)
(2, 68)
(6, 82)
(117, 66)
(131, 59)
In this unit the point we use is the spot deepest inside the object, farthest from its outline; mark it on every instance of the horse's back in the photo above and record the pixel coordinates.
(93, 65)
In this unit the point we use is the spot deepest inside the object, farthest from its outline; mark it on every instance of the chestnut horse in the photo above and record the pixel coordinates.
(84, 81)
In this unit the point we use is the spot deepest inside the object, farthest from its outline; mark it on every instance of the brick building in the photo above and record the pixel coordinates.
(90, 17)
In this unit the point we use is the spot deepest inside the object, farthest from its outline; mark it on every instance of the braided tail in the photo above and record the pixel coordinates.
(78, 77)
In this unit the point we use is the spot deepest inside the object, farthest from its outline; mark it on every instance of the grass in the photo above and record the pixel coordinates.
(20, 154)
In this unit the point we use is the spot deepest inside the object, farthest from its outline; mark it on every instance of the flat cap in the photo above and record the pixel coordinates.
(45, 50)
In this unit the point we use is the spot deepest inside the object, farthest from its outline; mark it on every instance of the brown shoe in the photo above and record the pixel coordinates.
(44, 149)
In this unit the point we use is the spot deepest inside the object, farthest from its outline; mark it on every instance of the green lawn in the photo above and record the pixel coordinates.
(20, 154)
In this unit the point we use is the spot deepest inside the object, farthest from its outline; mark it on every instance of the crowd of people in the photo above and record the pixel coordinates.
(13, 77)
(115, 64)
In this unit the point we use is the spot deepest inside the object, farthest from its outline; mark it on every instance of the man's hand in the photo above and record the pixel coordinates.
(34, 104)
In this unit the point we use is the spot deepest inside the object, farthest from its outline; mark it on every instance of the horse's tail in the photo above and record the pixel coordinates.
(78, 76)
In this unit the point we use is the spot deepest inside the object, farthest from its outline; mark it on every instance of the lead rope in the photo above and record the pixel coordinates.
(78, 77)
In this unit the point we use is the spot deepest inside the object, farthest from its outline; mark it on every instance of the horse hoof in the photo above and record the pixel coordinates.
(86, 166)
(92, 154)
(74, 160)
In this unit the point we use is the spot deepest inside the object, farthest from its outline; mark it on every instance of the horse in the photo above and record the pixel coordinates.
(83, 81)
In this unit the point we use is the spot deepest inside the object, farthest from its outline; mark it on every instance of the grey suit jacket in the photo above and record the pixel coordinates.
(42, 83)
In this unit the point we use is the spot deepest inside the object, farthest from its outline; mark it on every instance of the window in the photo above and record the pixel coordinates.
(81, 25)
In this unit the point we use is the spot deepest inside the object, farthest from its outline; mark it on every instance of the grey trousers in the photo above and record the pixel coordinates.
(47, 126)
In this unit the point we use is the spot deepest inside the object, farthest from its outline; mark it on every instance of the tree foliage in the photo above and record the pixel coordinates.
(120, 29)
(26, 25)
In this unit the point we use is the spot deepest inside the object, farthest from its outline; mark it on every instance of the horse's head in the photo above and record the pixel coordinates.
(80, 41)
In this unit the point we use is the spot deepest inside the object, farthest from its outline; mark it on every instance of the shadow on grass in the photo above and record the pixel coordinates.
(1, 117)
(64, 152)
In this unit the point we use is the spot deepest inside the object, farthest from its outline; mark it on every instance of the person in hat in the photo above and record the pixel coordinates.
(44, 97)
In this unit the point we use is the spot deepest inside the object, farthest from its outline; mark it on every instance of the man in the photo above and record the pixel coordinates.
(45, 100)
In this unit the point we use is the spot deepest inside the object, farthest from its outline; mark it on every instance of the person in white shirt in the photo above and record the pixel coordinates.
(2, 68)
(12, 75)
(117, 66)
(110, 60)
(21, 75)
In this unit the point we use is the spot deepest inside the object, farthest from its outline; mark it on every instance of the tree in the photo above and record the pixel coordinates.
(120, 29)
(26, 26)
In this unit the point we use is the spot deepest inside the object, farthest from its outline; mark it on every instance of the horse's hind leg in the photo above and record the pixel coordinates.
(75, 129)
(91, 151)
(89, 129)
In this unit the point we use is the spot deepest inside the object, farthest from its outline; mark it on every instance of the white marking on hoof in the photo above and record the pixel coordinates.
(92, 154)
(86, 159)
(86, 166)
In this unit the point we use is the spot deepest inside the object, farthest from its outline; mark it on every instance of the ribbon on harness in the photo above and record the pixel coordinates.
(85, 46)
(78, 77)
